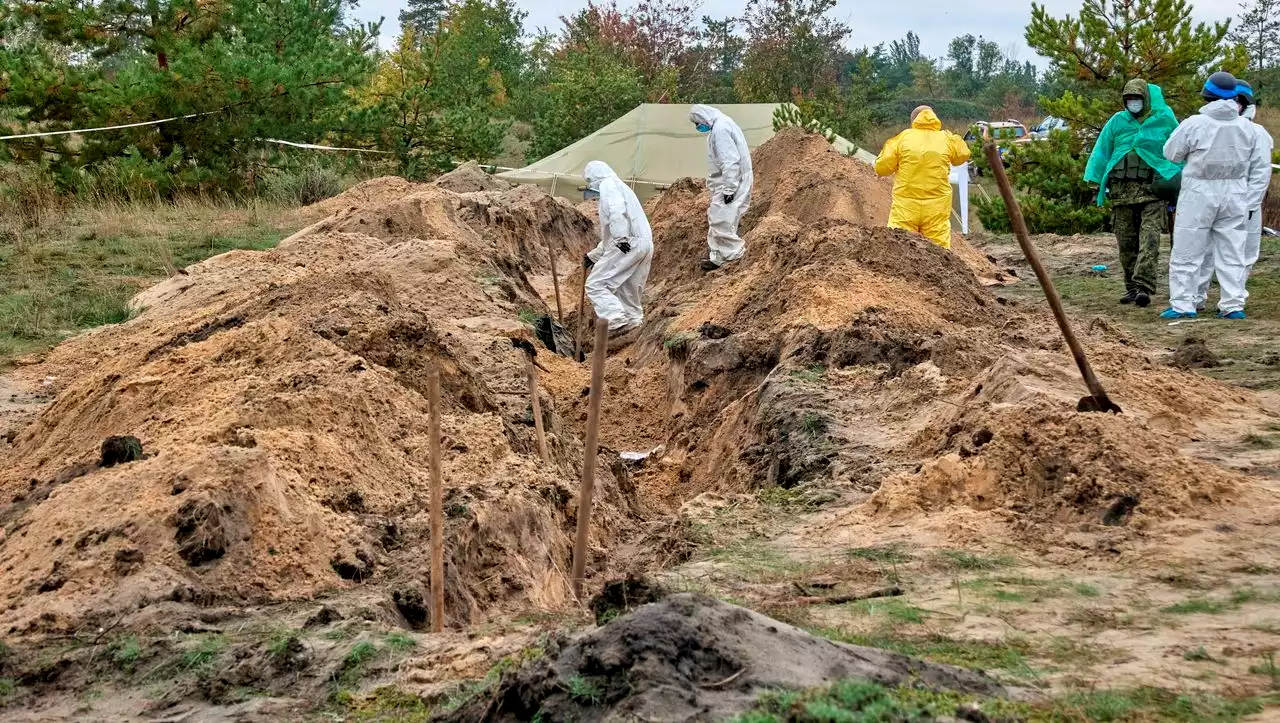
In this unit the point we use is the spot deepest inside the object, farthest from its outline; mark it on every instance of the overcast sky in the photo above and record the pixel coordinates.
(872, 21)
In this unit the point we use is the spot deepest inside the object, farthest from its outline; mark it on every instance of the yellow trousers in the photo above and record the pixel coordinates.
(930, 218)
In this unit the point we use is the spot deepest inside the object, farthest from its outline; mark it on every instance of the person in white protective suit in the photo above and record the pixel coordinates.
(1260, 179)
(1218, 148)
(729, 179)
(619, 264)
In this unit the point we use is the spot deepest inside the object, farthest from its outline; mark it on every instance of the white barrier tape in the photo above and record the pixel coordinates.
(323, 148)
(105, 128)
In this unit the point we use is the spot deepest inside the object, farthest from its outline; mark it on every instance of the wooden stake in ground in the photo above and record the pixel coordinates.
(589, 462)
(1097, 401)
(555, 281)
(437, 503)
(582, 317)
(531, 372)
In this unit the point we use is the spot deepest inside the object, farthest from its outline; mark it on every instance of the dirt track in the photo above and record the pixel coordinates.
(885, 390)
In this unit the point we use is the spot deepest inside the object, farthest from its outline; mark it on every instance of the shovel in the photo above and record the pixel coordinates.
(1097, 401)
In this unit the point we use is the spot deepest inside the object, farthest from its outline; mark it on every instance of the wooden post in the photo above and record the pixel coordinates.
(531, 371)
(582, 317)
(555, 281)
(437, 503)
(598, 355)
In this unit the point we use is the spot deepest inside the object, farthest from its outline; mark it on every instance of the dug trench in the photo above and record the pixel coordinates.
(267, 555)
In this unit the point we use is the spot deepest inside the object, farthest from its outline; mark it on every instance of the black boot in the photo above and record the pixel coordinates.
(1142, 300)
(709, 265)
(1130, 296)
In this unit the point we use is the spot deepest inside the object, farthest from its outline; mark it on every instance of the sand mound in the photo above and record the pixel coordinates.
(1045, 464)
(373, 191)
(470, 178)
(280, 399)
(836, 348)
(691, 657)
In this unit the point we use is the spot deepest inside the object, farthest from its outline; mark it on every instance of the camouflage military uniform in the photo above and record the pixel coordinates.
(1138, 218)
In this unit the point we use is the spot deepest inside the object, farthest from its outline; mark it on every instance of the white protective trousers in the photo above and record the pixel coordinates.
(729, 174)
(1252, 249)
(1209, 233)
(615, 284)
(1220, 152)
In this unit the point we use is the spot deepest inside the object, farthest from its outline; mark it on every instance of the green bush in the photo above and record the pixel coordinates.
(305, 184)
(1048, 177)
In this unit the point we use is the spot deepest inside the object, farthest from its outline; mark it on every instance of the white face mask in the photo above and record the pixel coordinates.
(1250, 112)
(1134, 106)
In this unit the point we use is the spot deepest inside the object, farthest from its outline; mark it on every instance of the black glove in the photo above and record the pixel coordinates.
(1251, 215)
(624, 247)
(728, 198)
(587, 262)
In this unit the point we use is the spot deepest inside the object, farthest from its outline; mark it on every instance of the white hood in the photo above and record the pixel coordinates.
(705, 114)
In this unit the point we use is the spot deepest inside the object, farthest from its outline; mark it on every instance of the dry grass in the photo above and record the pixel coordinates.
(71, 266)
(1269, 117)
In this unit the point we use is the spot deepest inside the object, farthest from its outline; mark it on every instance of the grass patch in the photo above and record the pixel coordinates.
(201, 655)
(757, 561)
(1198, 655)
(387, 703)
(1237, 599)
(124, 652)
(8, 691)
(585, 690)
(814, 424)
(1198, 606)
(811, 374)
(400, 642)
(1268, 668)
(858, 701)
(1259, 441)
(972, 562)
(1009, 656)
(282, 643)
(891, 554)
(79, 270)
(528, 317)
(894, 609)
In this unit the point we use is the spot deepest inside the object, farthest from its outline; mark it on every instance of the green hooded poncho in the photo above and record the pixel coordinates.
(1124, 134)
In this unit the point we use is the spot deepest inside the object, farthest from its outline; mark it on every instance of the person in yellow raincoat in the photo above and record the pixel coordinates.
(922, 156)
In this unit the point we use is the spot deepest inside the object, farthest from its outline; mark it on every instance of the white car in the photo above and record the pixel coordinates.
(1048, 125)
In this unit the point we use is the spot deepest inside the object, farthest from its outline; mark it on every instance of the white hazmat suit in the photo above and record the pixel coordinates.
(616, 282)
(1218, 147)
(1260, 179)
(729, 179)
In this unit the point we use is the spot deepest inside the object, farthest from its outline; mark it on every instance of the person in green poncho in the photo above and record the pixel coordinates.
(1127, 163)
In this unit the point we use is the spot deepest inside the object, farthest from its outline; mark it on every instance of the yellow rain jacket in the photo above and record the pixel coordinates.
(922, 156)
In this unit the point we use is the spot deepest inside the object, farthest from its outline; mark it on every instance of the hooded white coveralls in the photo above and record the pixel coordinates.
(1218, 147)
(1259, 180)
(728, 174)
(616, 282)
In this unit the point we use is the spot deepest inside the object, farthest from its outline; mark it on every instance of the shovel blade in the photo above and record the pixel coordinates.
(1101, 403)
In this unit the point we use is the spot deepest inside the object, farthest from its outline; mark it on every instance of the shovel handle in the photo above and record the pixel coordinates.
(1042, 275)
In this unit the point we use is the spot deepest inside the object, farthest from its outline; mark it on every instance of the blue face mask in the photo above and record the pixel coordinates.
(703, 128)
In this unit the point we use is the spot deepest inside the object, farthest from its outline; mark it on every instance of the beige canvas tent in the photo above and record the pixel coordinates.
(650, 147)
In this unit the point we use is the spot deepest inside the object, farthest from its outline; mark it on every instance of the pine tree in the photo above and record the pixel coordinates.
(423, 16)
(1112, 41)
(1258, 30)
(247, 69)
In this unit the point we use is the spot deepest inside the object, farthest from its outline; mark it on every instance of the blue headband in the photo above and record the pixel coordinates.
(1223, 93)
(1244, 90)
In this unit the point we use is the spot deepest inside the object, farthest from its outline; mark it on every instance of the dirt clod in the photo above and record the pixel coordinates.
(691, 657)
(1193, 354)
(203, 533)
(412, 604)
(120, 450)
(620, 597)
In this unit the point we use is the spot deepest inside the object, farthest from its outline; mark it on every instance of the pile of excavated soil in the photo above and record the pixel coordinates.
(691, 657)
(830, 353)
(280, 398)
